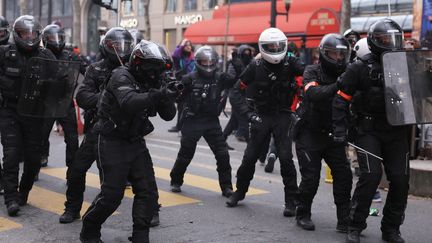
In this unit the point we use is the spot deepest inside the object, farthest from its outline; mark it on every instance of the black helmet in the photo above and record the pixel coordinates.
(147, 62)
(117, 45)
(334, 54)
(352, 36)
(27, 33)
(169, 63)
(136, 35)
(53, 38)
(206, 61)
(4, 31)
(385, 35)
(101, 47)
(244, 52)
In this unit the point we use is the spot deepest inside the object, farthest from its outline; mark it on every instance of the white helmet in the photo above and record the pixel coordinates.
(273, 45)
(361, 48)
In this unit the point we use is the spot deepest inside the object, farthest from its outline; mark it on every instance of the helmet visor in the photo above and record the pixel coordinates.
(55, 39)
(340, 53)
(120, 47)
(390, 40)
(3, 32)
(28, 35)
(274, 47)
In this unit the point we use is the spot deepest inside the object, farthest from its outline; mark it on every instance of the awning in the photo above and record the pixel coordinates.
(307, 23)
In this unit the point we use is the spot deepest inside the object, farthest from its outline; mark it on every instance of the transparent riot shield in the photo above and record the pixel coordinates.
(48, 87)
(408, 86)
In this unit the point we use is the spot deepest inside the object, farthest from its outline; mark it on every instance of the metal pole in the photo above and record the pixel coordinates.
(118, 11)
(273, 13)
(225, 48)
(389, 8)
(364, 150)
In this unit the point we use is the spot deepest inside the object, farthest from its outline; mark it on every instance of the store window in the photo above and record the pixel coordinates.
(12, 10)
(127, 8)
(209, 4)
(171, 6)
(141, 8)
(367, 6)
(190, 5)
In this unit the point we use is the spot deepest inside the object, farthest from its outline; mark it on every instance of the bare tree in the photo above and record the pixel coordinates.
(23, 7)
(147, 19)
(76, 36)
(345, 21)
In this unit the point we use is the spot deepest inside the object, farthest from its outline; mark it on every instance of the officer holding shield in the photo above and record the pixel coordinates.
(364, 78)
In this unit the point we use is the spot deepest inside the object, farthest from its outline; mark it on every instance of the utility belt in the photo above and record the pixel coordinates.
(369, 123)
(132, 132)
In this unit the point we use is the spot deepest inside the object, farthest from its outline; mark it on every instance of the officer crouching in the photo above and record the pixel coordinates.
(132, 95)
(199, 118)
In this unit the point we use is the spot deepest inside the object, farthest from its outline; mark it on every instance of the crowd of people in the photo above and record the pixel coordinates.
(276, 100)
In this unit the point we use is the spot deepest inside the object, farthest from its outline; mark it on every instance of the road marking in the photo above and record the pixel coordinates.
(167, 199)
(200, 181)
(6, 224)
(50, 201)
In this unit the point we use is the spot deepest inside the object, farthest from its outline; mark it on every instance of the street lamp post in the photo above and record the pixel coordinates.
(274, 13)
(225, 48)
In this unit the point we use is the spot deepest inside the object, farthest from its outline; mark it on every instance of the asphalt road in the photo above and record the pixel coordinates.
(198, 214)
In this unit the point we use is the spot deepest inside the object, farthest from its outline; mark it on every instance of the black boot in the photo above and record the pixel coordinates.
(270, 163)
(290, 209)
(23, 197)
(175, 188)
(392, 236)
(68, 217)
(44, 161)
(235, 198)
(13, 208)
(139, 237)
(342, 212)
(353, 236)
(342, 226)
(305, 223)
(98, 240)
(155, 220)
(227, 192)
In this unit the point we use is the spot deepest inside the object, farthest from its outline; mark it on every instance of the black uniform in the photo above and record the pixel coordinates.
(202, 97)
(313, 144)
(87, 97)
(123, 111)
(364, 81)
(69, 122)
(270, 89)
(21, 137)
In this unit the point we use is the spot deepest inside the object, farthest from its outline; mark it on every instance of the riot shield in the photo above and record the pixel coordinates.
(408, 86)
(47, 88)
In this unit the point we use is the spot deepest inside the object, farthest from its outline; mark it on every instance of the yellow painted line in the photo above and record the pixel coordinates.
(167, 199)
(201, 182)
(6, 224)
(50, 201)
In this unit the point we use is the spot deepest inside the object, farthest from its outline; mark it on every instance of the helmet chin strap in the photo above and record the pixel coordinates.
(118, 57)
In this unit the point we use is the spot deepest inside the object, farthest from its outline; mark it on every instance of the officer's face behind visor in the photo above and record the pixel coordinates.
(337, 54)
(119, 47)
(274, 47)
(56, 38)
(391, 40)
(3, 32)
(27, 35)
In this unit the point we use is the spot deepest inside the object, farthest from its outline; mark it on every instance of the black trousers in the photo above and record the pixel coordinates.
(69, 124)
(278, 125)
(392, 146)
(22, 138)
(76, 173)
(121, 160)
(309, 154)
(236, 122)
(193, 129)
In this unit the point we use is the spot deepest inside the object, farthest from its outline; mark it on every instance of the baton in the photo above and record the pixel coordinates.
(364, 150)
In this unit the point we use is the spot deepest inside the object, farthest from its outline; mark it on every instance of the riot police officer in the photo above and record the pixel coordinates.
(313, 142)
(87, 96)
(4, 38)
(53, 38)
(199, 118)
(21, 136)
(363, 80)
(136, 35)
(270, 87)
(132, 95)
(352, 36)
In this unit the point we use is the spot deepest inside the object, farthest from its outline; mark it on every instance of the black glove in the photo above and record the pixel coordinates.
(169, 91)
(254, 118)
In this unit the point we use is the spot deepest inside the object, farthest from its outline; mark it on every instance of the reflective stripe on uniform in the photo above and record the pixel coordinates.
(309, 85)
(344, 95)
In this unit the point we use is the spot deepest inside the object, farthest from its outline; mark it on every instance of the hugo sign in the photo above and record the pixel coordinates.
(187, 19)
